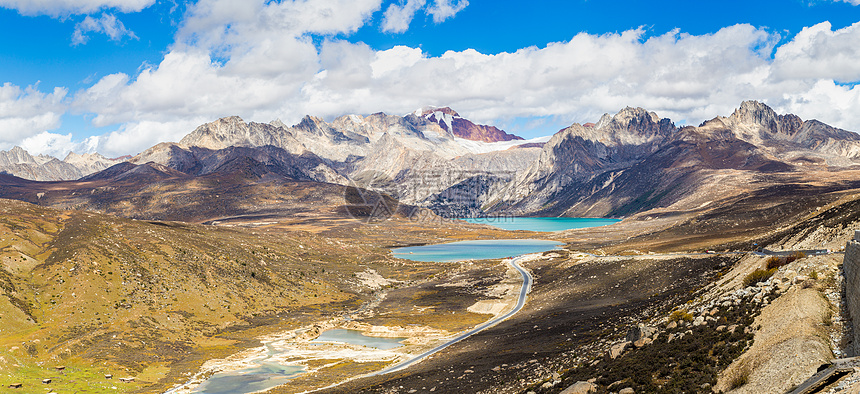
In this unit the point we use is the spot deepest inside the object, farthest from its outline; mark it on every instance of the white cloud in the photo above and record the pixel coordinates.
(444, 9)
(852, 2)
(107, 24)
(818, 52)
(398, 16)
(52, 144)
(257, 61)
(232, 27)
(69, 7)
(134, 137)
(26, 112)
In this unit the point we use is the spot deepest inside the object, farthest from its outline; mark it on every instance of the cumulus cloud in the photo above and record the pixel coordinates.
(28, 111)
(58, 8)
(233, 27)
(444, 9)
(258, 61)
(52, 144)
(107, 24)
(819, 52)
(398, 16)
(852, 2)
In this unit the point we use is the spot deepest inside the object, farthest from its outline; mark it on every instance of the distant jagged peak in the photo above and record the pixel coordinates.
(17, 155)
(451, 121)
(73, 157)
(630, 126)
(428, 110)
(627, 118)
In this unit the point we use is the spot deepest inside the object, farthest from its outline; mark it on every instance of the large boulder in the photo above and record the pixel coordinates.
(618, 349)
(580, 388)
(640, 331)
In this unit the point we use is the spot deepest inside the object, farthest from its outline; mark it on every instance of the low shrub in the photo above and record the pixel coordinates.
(740, 377)
(680, 315)
(758, 275)
(776, 262)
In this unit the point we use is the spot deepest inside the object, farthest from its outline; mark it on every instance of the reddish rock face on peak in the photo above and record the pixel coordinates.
(461, 127)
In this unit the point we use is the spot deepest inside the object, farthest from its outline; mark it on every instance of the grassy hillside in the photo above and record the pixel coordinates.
(106, 295)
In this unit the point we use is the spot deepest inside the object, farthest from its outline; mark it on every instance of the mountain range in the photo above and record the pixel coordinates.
(623, 164)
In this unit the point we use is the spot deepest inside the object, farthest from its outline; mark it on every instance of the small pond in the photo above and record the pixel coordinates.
(355, 337)
(475, 250)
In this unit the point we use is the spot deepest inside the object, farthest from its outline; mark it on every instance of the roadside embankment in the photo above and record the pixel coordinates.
(851, 268)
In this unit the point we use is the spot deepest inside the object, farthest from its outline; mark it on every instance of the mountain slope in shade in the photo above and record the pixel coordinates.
(460, 127)
(633, 161)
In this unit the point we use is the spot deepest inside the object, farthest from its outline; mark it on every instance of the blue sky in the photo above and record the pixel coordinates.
(117, 76)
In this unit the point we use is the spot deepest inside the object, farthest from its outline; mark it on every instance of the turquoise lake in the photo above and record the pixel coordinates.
(357, 338)
(541, 224)
(474, 250)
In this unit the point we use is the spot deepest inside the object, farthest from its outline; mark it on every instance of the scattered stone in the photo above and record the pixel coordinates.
(547, 385)
(698, 321)
(640, 331)
(126, 380)
(671, 325)
(497, 369)
(580, 388)
(468, 371)
(721, 328)
(642, 342)
(732, 328)
(615, 383)
(46, 381)
(60, 367)
(15, 385)
(108, 376)
(800, 279)
(627, 390)
(618, 349)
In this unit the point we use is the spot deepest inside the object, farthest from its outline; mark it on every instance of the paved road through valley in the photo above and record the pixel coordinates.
(526, 288)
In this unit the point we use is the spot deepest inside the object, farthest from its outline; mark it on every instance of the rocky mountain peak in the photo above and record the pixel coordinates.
(629, 118)
(16, 155)
(451, 121)
(218, 134)
(430, 110)
(754, 113)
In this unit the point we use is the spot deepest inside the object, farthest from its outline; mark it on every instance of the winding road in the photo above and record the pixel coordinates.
(524, 290)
